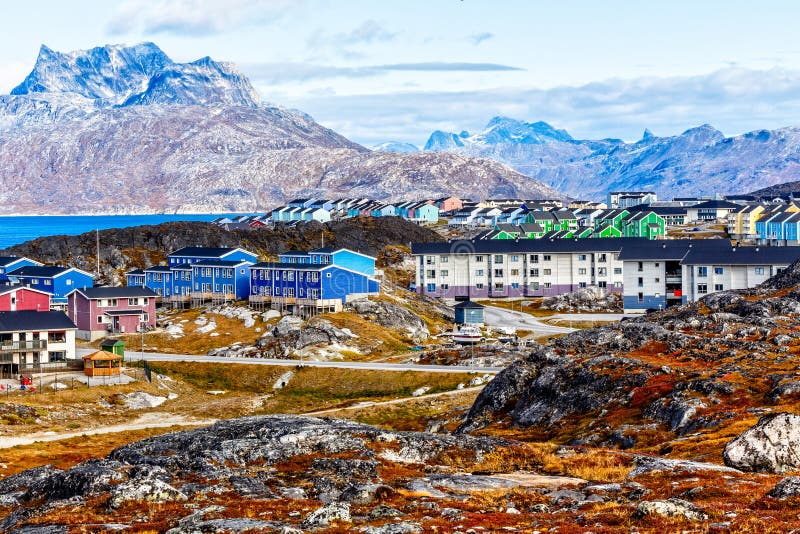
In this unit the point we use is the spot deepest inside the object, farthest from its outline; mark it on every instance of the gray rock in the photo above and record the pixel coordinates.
(384, 512)
(287, 324)
(148, 490)
(584, 300)
(788, 487)
(323, 517)
(365, 493)
(293, 493)
(675, 508)
(562, 497)
(772, 445)
(654, 464)
(393, 528)
(87, 477)
(392, 316)
(233, 524)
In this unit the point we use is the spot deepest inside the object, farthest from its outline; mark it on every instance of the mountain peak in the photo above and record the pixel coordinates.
(138, 74)
(507, 130)
(647, 134)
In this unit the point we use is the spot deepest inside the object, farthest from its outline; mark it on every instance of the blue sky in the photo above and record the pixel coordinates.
(378, 71)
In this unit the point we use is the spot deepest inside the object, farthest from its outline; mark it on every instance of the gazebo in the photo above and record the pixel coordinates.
(102, 363)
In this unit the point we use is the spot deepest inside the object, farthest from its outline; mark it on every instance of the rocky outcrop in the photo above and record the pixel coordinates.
(584, 300)
(786, 488)
(772, 445)
(392, 316)
(672, 508)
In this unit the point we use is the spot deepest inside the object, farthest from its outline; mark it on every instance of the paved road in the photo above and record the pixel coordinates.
(369, 366)
(369, 404)
(500, 317)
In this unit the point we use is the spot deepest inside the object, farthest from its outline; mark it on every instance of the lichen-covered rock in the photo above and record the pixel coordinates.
(392, 316)
(153, 490)
(772, 445)
(674, 508)
(88, 477)
(787, 487)
(584, 300)
(323, 517)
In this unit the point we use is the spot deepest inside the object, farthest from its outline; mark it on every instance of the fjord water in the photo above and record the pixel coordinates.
(16, 230)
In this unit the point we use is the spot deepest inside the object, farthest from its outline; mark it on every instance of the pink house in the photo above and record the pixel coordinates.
(100, 311)
(449, 204)
(21, 298)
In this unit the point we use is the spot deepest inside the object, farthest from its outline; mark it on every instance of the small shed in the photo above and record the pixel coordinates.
(114, 346)
(469, 312)
(102, 363)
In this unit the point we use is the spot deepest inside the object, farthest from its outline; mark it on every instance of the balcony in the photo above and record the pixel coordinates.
(23, 346)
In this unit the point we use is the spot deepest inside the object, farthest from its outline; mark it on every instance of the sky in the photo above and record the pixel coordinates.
(379, 71)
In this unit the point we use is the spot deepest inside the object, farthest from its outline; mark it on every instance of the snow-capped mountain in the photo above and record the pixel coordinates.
(395, 146)
(126, 129)
(700, 161)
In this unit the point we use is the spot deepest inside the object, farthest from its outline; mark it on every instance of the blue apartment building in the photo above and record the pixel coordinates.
(58, 281)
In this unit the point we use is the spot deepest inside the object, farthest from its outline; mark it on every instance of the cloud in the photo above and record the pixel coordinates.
(274, 73)
(193, 17)
(734, 100)
(478, 38)
(344, 43)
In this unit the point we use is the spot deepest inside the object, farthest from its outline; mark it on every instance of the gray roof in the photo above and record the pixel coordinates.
(671, 249)
(220, 263)
(523, 246)
(744, 256)
(203, 252)
(18, 321)
(105, 292)
(43, 271)
(717, 204)
(468, 304)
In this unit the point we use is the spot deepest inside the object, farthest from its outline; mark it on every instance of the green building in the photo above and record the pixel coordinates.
(645, 224)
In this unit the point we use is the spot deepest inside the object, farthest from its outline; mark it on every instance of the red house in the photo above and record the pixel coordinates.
(100, 311)
(21, 298)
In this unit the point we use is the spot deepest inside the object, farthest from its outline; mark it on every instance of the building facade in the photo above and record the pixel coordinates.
(102, 311)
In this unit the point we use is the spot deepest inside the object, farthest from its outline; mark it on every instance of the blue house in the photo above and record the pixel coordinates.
(135, 278)
(320, 280)
(190, 255)
(58, 281)
(159, 280)
(221, 280)
(181, 284)
(9, 263)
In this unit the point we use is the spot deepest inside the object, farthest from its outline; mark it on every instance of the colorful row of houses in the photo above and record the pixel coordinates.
(775, 224)
(650, 274)
(320, 280)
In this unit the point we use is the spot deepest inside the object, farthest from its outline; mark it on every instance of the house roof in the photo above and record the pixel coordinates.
(102, 355)
(468, 304)
(203, 252)
(498, 246)
(105, 292)
(45, 271)
(120, 313)
(158, 269)
(5, 261)
(286, 265)
(16, 287)
(717, 204)
(670, 249)
(221, 263)
(743, 256)
(111, 342)
(136, 271)
(17, 321)
(658, 210)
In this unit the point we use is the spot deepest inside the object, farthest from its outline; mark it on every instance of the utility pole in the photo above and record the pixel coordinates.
(97, 238)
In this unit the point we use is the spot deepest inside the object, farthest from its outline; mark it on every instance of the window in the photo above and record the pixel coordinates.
(498, 258)
(145, 317)
(430, 260)
(546, 272)
(300, 292)
(602, 284)
(581, 257)
(640, 266)
(759, 270)
(444, 286)
(702, 289)
(498, 286)
(534, 258)
(444, 272)
(601, 258)
(290, 292)
(617, 270)
(602, 271)
(617, 284)
(515, 285)
(702, 271)
(640, 282)
(548, 285)
(498, 272)
(535, 272)
(514, 258)
(431, 287)
(582, 270)
(479, 272)
(99, 319)
(546, 257)
(291, 276)
(478, 286)
(658, 280)
(443, 259)
(535, 286)
(718, 270)
(514, 272)
(133, 302)
(718, 287)
(581, 284)
(640, 297)
(479, 259)
(431, 273)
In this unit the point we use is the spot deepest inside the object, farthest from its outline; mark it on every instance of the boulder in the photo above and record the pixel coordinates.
(323, 517)
(673, 508)
(787, 487)
(584, 300)
(290, 323)
(150, 490)
(771, 445)
(392, 316)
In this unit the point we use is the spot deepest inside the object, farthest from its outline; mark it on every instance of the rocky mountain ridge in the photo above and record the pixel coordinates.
(127, 126)
(699, 161)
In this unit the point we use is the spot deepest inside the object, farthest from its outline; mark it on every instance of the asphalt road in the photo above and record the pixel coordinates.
(501, 317)
(133, 356)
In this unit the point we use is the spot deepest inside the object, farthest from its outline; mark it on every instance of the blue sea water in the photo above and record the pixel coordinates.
(16, 230)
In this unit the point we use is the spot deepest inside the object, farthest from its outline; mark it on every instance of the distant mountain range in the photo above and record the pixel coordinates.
(700, 161)
(119, 129)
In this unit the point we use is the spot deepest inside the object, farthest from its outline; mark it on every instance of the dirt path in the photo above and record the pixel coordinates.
(149, 420)
(396, 401)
